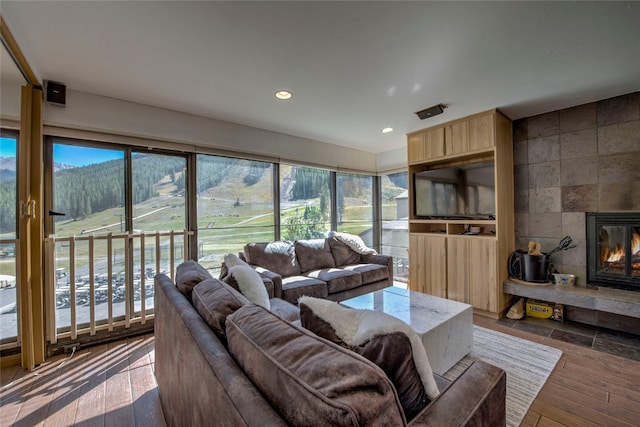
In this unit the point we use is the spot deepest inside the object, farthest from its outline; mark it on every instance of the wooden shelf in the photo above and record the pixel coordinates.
(444, 261)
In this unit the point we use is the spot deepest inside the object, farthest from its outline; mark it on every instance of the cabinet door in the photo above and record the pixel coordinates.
(483, 274)
(457, 138)
(458, 251)
(481, 132)
(416, 147)
(435, 143)
(428, 264)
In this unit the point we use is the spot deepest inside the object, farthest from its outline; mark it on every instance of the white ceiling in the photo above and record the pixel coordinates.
(353, 67)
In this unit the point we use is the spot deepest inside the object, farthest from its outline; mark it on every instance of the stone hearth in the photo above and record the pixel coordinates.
(605, 307)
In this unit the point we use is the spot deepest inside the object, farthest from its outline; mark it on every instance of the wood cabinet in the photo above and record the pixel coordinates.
(471, 273)
(460, 137)
(427, 264)
(443, 260)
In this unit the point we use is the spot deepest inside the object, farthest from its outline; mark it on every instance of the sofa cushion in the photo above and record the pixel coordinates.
(285, 309)
(314, 254)
(381, 338)
(370, 273)
(337, 279)
(296, 286)
(305, 378)
(250, 284)
(279, 257)
(342, 253)
(189, 274)
(214, 301)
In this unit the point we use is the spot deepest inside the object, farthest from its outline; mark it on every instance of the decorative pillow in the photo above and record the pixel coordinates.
(278, 257)
(214, 301)
(385, 340)
(189, 274)
(306, 379)
(342, 253)
(232, 260)
(354, 242)
(314, 254)
(250, 284)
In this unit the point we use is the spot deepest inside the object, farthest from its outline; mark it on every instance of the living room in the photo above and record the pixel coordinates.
(561, 184)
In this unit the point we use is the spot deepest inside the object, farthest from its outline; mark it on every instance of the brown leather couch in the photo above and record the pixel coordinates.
(322, 268)
(205, 378)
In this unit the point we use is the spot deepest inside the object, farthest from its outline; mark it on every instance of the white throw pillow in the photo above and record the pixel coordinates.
(357, 326)
(231, 260)
(354, 242)
(251, 285)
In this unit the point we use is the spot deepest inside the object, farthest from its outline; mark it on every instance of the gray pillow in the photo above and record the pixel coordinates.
(278, 257)
(342, 253)
(214, 301)
(306, 379)
(188, 275)
(314, 254)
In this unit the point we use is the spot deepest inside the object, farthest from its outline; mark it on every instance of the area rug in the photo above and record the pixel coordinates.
(527, 364)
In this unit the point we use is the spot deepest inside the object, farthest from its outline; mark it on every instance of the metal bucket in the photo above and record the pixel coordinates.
(535, 268)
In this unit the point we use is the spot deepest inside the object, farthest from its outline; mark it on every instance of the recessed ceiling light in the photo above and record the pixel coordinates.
(387, 130)
(283, 94)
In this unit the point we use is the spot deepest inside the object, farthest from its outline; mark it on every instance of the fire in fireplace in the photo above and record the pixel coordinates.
(613, 249)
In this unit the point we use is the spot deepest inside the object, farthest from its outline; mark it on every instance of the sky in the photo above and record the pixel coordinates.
(66, 154)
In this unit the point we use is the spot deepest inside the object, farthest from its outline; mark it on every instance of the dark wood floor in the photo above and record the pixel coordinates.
(114, 385)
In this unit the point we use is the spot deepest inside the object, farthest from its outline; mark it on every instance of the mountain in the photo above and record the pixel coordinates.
(8, 164)
(61, 166)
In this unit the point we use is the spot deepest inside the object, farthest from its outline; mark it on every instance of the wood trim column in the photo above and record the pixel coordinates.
(30, 226)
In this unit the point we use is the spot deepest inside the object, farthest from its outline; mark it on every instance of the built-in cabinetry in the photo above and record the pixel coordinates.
(445, 259)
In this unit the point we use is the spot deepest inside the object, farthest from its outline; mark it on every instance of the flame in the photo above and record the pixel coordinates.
(617, 254)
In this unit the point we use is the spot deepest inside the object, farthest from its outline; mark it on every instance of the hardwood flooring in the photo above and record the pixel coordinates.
(106, 385)
(114, 385)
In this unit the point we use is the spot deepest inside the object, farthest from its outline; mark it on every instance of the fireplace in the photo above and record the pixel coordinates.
(613, 249)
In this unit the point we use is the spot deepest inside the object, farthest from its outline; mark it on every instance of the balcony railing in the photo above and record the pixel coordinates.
(96, 283)
(9, 302)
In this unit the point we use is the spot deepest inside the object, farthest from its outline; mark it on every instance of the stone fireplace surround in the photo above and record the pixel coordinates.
(566, 163)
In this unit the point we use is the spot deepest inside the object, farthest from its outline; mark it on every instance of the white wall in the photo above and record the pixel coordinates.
(10, 101)
(97, 113)
(392, 160)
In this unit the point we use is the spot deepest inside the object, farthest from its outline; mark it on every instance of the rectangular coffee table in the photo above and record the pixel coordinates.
(444, 326)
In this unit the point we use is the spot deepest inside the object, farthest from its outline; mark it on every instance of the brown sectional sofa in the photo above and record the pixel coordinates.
(322, 268)
(221, 360)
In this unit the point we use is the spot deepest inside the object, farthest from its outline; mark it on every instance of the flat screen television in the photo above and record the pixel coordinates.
(465, 191)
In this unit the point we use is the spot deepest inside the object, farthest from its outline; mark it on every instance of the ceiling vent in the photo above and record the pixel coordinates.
(431, 111)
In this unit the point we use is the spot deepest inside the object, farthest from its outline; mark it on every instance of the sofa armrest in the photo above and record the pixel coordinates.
(276, 279)
(476, 398)
(380, 259)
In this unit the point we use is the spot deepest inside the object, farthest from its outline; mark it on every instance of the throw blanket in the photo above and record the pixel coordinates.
(354, 242)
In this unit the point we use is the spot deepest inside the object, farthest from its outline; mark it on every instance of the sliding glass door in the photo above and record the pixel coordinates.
(117, 216)
(9, 304)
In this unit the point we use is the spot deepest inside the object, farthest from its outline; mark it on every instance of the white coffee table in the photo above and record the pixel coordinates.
(444, 326)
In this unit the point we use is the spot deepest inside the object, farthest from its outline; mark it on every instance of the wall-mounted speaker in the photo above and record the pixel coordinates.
(56, 93)
(430, 112)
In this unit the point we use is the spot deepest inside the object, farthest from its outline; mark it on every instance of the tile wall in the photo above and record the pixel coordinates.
(572, 161)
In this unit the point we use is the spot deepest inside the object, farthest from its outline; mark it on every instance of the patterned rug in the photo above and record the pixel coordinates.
(527, 364)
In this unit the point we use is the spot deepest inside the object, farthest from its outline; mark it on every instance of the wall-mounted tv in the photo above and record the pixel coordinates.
(466, 191)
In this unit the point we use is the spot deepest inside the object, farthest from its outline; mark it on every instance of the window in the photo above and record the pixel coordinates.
(8, 241)
(305, 202)
(115, 210)
(395, 221)
(235, 205)
(354, 201)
